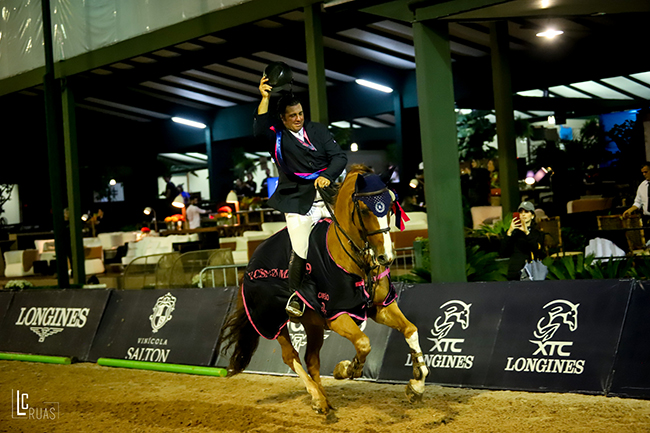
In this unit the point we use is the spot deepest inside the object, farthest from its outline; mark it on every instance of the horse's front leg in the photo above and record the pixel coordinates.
(393, 317)
(291, 357)
(345, 327)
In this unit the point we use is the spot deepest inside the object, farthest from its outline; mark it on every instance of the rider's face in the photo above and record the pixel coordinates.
(293, 118)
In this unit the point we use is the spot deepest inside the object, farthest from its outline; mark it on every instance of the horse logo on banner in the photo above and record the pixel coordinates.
(162, 311)
(455, 311)
(560, 312)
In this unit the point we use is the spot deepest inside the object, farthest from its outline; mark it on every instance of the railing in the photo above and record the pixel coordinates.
(210, 270)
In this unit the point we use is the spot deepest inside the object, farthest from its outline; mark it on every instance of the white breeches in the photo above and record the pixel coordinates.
(300, 226)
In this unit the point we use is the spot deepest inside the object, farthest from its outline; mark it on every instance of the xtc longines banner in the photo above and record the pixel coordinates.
(175, 326)
(53, 322)
(551, 335)
(561, 338)
(457, 326)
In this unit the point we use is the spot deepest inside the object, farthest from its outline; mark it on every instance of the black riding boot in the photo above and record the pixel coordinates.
(297, 265)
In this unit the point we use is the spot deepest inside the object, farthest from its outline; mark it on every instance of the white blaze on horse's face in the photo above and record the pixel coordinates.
(388, 243)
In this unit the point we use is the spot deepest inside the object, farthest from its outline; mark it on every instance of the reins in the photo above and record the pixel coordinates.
(365, 268)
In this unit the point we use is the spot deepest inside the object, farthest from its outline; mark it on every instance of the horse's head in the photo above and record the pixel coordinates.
(368, 204)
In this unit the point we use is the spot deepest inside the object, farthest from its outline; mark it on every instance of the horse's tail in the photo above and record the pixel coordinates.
(238, 333)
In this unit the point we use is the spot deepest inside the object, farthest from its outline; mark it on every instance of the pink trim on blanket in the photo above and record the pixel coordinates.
(351, 315)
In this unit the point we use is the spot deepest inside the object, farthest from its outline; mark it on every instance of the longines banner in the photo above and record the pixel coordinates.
(176, 326)
(562, 338)
(53, 322)
(457, 326)
(514, 335)
(631, 369)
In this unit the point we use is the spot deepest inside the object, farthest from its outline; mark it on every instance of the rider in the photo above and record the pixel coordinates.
(307, 157)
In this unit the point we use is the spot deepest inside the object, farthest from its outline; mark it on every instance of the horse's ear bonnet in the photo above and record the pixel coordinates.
(372, 191)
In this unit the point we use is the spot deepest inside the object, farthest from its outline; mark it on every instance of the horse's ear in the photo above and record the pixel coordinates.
(360, 184)
(385, 176)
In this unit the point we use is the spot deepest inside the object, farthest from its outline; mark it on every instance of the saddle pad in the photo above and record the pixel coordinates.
(327, 288)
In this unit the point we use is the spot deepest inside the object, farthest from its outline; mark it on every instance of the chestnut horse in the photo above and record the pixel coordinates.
(359, 242)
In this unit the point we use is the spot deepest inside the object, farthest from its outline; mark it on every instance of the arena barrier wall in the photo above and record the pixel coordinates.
(175, 326)
(631, 376)
(5, 300)
(535, 336)
(53, 322)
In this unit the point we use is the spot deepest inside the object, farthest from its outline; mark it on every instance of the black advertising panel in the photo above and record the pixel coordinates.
(53, 322)
(631, 369)
(5, 300)
(175, 326)
(559, 335)
(268, 356)
(457, 326)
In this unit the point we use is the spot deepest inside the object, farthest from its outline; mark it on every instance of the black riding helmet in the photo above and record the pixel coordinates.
(278, 73)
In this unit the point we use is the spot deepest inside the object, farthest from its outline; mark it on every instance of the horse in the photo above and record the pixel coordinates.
(359, 243)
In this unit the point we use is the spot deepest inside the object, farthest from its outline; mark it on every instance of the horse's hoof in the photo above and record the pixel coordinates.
(341, 370)
(321, 408)
(331, 418)
(412, 395)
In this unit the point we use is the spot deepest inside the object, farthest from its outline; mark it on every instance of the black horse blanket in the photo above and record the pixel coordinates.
(327, 288)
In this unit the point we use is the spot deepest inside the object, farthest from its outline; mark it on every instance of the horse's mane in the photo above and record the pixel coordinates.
(331, 193)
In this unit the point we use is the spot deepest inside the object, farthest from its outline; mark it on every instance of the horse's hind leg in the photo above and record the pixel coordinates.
(291, 357)
(312, 354)
(345, 327)
(393, 317)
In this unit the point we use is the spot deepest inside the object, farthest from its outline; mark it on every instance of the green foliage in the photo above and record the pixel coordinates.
(641, 269)
(474, 132)
(5, 194)
(498, 229)
(480, 266)
(241, 163)
(579, 267)
(343, 136)
(573, 239)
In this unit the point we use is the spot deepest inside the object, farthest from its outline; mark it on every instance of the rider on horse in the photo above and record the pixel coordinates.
(307, 158)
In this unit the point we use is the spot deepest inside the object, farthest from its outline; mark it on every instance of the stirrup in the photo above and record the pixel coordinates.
(295, 307)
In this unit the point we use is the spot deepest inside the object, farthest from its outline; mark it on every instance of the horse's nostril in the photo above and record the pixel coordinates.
(383, 259)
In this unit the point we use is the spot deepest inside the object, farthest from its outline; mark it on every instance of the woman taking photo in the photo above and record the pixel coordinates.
(523, 242)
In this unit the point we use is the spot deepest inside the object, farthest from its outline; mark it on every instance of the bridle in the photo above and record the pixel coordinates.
(366, 268)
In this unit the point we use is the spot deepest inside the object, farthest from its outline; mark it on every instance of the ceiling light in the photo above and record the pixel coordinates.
(189, 122)
(375, 86)
(551, 120)
(549, 34)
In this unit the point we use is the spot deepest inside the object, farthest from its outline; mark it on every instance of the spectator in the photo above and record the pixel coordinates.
(523, 242)
(194, 214)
